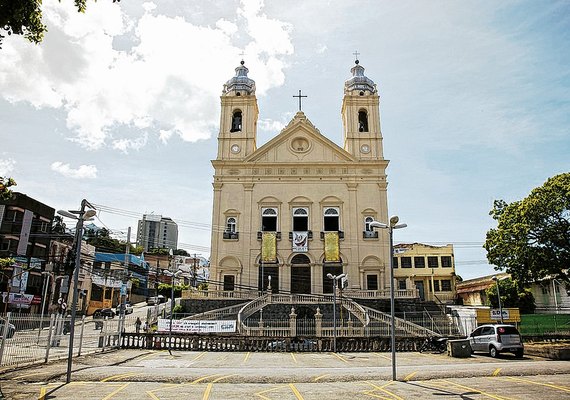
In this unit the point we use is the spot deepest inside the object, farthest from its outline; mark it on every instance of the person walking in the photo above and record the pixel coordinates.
(138, 323)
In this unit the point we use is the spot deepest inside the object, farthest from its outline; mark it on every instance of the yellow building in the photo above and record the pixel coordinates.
(429, 269)
(290, 212)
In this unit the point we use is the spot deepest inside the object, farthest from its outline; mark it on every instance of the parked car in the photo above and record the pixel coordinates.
(11, 330)
(127, 306)
(100, 314)
(497, 338)
(154, 300)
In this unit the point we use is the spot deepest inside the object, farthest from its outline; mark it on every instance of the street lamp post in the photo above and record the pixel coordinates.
(499, 297)
(335, 280)
(173, 276)
(42, 311)
(80, 216)
(393, 225)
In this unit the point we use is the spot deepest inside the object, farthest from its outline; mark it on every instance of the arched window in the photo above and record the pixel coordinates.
(231, 225)
(331, 219)
(269, 219)
(236, 121)
(300, 219)
(367, 222)
(300, 259)
(362, 121)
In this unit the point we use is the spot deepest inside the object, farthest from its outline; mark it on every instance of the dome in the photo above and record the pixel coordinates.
(359, 81)
(240, 82)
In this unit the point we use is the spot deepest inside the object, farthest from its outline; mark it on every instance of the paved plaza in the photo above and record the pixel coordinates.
(135, 374)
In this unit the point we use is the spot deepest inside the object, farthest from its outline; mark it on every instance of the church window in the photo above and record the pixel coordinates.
(236, 121)
(269, 219)
(331, 219)
(406, 262)
(300, 219)
(372, 282)
(362, 121)
(367, 222)
(401, 284)
(231, 224)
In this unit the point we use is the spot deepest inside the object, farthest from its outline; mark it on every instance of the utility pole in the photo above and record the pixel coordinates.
(194, 269)
(123, 305)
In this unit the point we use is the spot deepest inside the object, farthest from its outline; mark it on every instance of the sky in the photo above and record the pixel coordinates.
(121, 106)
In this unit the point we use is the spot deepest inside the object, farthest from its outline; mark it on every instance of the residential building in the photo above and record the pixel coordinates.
(429, 269)
(157, 232)
(472, 292)
(287, 214)
(25, 236)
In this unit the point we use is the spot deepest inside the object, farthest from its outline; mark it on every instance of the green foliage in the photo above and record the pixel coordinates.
(545, 324)
(24, 17)
(166, 288)
(105, 243)
(180, 252)
(136, 282)
(5, 182)
(511, 296)
(178, 309)
(159, 251)
(532, 238)
(6, 262)
(203, 286)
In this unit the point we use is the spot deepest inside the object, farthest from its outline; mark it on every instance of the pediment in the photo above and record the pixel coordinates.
(300, 141)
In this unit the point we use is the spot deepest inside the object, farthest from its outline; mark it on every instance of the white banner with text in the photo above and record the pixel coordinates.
(197, 326)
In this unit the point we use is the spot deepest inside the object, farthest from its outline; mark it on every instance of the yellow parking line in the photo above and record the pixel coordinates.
(246, 358)
(203, 378)
(198, 356)
(120, 376)
(477, 390)
(296, 392)
(384, 357)
(165, 386)
(318, 378)
(43, 390)
(410, 376)
(294, 358)
(116, 391)
(222, 377)
(381, 388)
(496, 372)
(563, 388)
(339, 357)
(259, 394)
(207, 391)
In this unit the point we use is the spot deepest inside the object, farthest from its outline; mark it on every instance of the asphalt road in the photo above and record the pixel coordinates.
(134, 374)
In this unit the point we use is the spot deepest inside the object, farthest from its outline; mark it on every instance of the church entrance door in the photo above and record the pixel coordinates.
(301, 280)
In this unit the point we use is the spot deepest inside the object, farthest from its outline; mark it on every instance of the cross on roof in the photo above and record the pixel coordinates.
(356, 53)
(299, 96)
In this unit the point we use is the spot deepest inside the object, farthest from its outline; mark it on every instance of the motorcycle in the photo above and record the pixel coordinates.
(435, 344)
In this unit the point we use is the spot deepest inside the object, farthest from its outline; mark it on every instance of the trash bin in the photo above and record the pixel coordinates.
(459, 348)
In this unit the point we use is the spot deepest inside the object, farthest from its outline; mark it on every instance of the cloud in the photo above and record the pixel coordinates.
(270, 125)
(7, 166)
(165, 76)
(83, 172)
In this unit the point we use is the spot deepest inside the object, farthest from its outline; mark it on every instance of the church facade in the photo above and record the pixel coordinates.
(287, 214)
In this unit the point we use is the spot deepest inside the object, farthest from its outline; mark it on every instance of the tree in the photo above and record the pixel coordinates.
(511, 296)
(5, 184)
(24, 17)
(180, 252)
(532, 238)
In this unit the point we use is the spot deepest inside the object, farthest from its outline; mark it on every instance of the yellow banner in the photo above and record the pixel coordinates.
(269, 247)
(331, 247)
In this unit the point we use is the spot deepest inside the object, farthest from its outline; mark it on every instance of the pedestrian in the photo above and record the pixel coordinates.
(145, 327)
(138, 323)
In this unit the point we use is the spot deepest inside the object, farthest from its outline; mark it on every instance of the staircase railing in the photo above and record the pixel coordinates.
(399, 323)
(218, 313)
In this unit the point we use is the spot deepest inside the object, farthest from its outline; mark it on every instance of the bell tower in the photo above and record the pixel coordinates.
(361, 116)
(238, 118)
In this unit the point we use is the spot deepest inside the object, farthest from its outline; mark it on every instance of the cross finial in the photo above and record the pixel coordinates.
(242, 54)
(356, 53)
(299, 96)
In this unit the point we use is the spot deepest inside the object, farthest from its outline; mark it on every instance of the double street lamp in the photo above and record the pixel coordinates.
(81, 216)
(335, 279)
(393, 225)
(173, 276)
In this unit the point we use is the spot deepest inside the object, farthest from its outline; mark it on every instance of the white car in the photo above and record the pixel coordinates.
(497, 338)
(128, 308)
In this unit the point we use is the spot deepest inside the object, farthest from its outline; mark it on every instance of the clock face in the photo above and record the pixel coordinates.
(235, 148)
(365, 148)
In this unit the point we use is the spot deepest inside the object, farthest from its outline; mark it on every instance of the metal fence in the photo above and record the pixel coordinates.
(29, 338)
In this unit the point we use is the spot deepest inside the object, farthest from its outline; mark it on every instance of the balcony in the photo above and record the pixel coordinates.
(231, 235)
(370, 234)
(340, 234)
(309, 235)
(260, 234)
